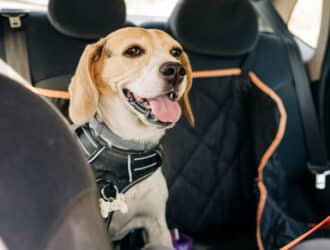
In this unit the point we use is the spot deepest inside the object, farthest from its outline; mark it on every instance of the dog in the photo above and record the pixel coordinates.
(135, 82)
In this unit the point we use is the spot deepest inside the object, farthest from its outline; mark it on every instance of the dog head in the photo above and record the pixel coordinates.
(136, 80)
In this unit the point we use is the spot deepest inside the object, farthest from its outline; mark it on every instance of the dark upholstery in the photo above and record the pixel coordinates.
(44, 178)
(272, 66)
(55, 54)
(50, 53)
(215, 27)
(85, 20)
(277, 75)
(212, 173)
(206, 188)
(200, 169)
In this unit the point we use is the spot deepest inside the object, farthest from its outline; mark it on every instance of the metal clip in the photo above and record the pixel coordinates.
(321, 172)
(321, 180)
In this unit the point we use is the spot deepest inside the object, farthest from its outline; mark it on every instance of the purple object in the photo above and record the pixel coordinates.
(181, 241)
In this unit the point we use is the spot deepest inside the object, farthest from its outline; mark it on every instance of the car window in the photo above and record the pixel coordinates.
(141, 10)
(160, 8)
(24, 4)
(149, 10)
(305, 21)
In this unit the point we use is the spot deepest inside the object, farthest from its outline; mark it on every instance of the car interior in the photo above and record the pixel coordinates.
(247, 69)
(56, 170)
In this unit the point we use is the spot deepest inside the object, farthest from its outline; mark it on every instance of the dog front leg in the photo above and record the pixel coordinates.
(157, 232)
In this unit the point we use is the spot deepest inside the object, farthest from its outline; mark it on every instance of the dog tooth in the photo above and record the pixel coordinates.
(171, 96)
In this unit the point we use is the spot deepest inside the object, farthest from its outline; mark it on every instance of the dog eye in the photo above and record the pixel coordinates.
(176, 52)
(133, 51)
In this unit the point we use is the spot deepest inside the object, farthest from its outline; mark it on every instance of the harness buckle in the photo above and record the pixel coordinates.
(320, 172)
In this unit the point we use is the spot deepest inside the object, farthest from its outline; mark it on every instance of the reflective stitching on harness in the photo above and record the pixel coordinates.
(129, 168)
(134, 182)
(83, 147)
(144, 157)
(90, 160)
(145, 167)
(99, 153)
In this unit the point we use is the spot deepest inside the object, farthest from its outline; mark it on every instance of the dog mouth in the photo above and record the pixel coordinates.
(162, 110)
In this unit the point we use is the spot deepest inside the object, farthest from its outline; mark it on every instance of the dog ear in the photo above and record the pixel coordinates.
(82, 88)
(184, 101)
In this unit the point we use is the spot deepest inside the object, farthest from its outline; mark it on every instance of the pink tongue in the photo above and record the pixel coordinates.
(164, 109)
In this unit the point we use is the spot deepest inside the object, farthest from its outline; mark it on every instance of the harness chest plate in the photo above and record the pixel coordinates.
(116, 169)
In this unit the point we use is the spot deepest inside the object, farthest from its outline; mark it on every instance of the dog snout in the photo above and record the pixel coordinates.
(172, 72)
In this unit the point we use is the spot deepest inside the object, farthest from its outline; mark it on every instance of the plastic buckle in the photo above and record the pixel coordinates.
(15, 22)
(321, 173)
(14, 19)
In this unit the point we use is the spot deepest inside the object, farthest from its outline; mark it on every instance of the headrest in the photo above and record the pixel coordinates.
(44, 178)
(215, 27)
(86, 19)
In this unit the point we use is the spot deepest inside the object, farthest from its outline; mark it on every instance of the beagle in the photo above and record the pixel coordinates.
(128, 89)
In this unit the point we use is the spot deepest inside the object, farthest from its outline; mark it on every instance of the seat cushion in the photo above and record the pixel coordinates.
(211, 174)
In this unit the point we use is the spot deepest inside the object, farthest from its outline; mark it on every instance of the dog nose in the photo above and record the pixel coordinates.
(172, 72)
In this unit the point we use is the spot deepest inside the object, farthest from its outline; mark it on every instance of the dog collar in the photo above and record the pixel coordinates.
(116, 167)
(113, 140)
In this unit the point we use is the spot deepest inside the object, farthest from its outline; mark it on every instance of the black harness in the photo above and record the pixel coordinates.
(117, 168)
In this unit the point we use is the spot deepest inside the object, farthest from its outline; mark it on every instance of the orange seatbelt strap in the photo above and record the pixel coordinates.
(196, 74)
(321, 225)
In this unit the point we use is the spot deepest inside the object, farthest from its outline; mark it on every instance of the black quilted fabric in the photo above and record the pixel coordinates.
(210, 168)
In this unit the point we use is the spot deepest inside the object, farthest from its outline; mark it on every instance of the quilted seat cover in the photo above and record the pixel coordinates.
(211, 168)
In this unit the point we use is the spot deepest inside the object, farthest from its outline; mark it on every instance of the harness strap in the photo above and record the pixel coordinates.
(91, 147)
(139, 164)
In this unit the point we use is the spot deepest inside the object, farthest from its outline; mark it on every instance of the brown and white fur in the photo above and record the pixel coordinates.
(131, 58)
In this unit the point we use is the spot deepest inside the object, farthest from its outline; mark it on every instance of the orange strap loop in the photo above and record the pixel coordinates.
(52, 93)
(197, 74)
(216, 73)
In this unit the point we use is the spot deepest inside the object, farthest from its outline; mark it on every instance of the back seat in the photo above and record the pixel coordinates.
(56, 40)
(211, 177)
